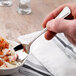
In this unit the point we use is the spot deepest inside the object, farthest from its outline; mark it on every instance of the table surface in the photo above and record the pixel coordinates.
(13, 24)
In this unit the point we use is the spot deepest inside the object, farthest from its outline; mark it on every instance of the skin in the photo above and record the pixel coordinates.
(66, 26)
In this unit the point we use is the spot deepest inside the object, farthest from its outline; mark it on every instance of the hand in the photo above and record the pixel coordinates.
(66, 26)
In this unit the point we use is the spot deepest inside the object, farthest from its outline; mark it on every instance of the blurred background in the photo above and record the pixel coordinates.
(13, 24)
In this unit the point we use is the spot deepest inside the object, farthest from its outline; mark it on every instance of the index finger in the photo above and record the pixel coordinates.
(52, 15)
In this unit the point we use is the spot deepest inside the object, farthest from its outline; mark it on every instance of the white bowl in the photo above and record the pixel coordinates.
(11, 70)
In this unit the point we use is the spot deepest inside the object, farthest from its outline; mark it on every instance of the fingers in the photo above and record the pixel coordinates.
(60, 25)
(49, 35)
(68, 27)
(54, 26)
(52, 15)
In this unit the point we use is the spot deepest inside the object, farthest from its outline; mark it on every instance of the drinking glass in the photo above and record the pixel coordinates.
(24, 7)
(5, 2)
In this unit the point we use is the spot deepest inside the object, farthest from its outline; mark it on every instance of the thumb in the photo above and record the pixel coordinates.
(59, 25)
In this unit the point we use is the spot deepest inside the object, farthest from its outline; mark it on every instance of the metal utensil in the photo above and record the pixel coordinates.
(69, 49)
(64, 13)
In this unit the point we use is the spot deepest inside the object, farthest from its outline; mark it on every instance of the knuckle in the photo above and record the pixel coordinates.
(56, 23)
(52, 25)
(48, 24)
(59, 27)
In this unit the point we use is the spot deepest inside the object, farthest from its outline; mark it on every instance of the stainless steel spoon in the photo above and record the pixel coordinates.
(64, 13)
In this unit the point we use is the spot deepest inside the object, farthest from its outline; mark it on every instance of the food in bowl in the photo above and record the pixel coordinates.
(8, 57)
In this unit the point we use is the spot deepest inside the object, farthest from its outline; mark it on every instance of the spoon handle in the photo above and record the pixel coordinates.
(64, 13)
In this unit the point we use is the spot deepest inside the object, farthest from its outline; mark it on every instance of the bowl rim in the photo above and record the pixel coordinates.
(18, 65)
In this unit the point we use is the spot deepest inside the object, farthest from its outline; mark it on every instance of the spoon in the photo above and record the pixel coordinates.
(64, 13)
